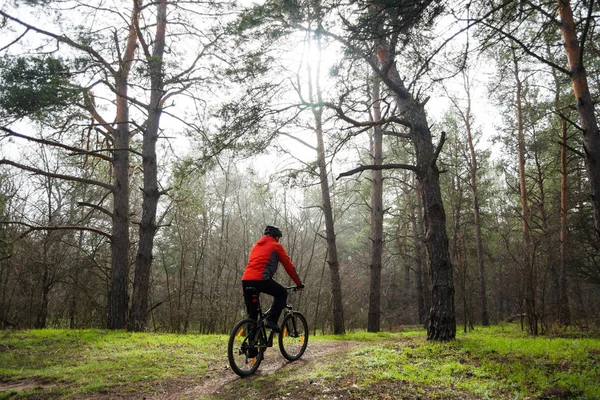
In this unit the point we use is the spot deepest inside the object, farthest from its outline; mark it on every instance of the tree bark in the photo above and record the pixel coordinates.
(442, 319)
(373, 323)
(143, 262)
(118, 298)
(332, 256)
(422, 287)
(585, 107)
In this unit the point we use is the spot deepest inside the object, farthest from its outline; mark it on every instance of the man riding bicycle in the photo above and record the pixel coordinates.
(264, 258)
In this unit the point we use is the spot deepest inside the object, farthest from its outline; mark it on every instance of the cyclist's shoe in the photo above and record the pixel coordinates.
(252, 352)
(272, 326)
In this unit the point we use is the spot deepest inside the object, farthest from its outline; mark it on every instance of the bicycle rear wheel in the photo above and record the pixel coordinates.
(242, 351)
(293, 338)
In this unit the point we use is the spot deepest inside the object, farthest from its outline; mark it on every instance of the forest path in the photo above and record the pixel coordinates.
(222, 383)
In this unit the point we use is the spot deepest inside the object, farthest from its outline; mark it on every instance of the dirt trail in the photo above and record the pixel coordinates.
(219, 382)
(224, 383)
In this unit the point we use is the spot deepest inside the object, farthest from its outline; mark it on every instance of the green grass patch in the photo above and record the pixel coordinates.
(87, 361)
(486, 363)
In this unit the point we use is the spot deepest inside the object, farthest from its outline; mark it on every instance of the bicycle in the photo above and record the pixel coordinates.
(248, 340)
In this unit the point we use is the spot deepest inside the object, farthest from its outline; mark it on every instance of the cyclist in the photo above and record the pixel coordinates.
(264, 258)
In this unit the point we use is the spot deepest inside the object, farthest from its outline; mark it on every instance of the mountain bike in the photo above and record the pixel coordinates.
(248, 340)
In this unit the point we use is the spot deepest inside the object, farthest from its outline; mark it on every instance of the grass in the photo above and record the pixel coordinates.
(88, 361)
(488, 363)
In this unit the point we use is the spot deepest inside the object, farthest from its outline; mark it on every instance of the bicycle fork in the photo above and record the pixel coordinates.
(290, 328)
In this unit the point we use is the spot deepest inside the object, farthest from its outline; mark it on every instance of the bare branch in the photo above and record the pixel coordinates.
(396, 134)
(95, 207)
(63, 39)
(340, 113)
(91, 108)
(10, 132)
(573, 123)
(566, 146)
(527, 49)
(38, 171)
(16, 40)
(439, 148)
(378, 167)
(32, 228)
(299, 140)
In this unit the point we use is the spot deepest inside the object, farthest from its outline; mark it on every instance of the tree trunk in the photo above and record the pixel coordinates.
(485, 319)
(585, 106)
(118, 299)
(423, 292)
(442, 320)
(143, 262)
(75, 287)
(458, 260)
(43, 311)
(374, 315)
(528, 270)
(549, 256)
(332, 255)
(118, 296)
(564, 314)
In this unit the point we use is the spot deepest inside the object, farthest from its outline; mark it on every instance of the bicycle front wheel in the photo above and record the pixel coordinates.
(242, 351)
(293, 338)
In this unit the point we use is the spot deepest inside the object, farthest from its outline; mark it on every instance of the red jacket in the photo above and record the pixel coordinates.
(264, 259)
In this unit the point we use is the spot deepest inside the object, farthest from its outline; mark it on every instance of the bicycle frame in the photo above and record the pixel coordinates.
(288, 309)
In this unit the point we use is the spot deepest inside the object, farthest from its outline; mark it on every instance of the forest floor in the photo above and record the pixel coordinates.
(225, 384)
(220, 382)
(499, 362)
(280, 379)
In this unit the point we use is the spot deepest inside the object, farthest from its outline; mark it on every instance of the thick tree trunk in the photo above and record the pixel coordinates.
(143, 262)
(118, 296)
(585, 107)
(374, 315)
(442, 320)
(118, 299)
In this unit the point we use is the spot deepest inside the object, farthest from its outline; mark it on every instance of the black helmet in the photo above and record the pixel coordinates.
(273, 231)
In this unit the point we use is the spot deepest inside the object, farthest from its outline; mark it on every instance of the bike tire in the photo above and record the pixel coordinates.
(243, 339)
(293, 337)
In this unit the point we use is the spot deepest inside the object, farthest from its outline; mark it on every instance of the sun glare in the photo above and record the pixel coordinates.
(308, 57)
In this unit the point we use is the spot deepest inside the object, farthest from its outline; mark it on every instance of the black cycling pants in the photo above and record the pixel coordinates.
(269, 287)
